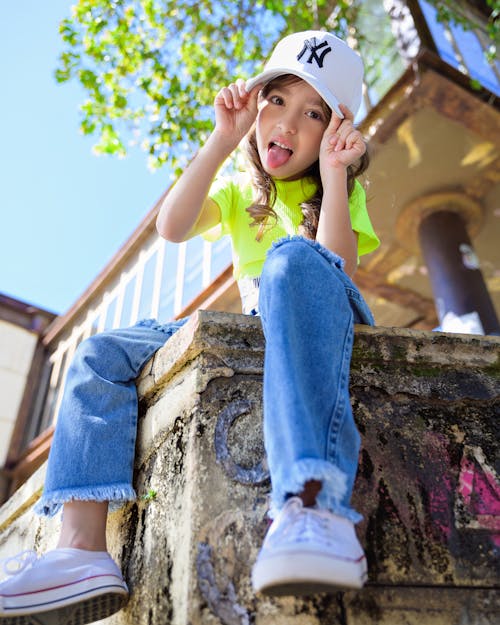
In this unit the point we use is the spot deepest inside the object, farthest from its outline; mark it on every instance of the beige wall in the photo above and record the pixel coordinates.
(16, 352)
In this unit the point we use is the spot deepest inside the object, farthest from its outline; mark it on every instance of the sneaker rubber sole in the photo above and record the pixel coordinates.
(94, 606)
(313, 573)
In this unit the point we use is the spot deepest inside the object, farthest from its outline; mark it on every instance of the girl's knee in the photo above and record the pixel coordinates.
(119, 354)
(93, 345)
(291, 249)
(99, 352)
(304, 261)
(286, 260)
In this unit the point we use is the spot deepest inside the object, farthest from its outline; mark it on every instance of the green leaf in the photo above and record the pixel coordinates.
(154, 66)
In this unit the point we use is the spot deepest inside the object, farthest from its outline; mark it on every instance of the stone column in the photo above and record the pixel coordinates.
(438, 226)
(457, 280)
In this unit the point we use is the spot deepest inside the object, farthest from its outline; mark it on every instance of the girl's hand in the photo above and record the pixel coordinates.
(235, 111)
(342, 144)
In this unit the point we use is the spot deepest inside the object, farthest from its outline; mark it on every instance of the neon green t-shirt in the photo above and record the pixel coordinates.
(234, 195)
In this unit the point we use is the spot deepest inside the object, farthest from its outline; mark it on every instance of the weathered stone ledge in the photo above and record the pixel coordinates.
(427, 406)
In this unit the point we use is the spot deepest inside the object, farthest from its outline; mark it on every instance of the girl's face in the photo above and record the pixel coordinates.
(291, 120)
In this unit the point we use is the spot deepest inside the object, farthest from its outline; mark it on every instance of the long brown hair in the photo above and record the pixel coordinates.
(261, 211)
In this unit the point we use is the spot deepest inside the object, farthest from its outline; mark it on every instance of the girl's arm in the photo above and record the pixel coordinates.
(186, 210)
(341, 146)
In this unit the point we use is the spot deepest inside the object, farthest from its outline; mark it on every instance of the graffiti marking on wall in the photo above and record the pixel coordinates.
(477, 505)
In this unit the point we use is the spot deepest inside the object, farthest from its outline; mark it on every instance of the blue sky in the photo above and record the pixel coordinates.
(64, 211)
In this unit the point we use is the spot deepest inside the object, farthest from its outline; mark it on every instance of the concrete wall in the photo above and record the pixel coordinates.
(427, 407)
(16, 353)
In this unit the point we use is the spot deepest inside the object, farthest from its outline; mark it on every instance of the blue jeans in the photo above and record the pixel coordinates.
(308, 306)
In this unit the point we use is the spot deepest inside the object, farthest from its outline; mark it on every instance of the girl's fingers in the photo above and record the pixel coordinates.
(347, 112)
(242, 90)
(253, 96)
(235, 108)
(334, 124)
(338, 136)
(347, 134)
(224, 97)
(342, 142)
(339, 125)
(235, 95)
(351, 140)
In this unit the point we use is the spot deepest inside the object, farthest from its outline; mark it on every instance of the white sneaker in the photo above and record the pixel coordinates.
(64, 586)
(306, 551)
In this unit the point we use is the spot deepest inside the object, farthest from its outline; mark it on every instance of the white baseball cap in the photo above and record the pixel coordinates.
(324, 61)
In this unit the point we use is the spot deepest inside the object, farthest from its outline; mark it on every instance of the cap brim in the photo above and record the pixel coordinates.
(266, 76)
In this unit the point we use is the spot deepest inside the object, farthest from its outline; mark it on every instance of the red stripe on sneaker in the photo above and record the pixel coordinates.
(84, 579)
(54, 602)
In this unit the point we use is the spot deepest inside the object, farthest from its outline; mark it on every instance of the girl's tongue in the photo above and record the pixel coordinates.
(277, 156)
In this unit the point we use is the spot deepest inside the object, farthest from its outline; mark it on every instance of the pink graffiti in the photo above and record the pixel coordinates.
(439, 502)
(439, 489)
(479, 491)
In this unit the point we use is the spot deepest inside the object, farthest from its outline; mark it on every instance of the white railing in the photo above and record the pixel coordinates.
(158, 283)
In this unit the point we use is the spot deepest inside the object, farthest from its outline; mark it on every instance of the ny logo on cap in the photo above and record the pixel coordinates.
(313, 47)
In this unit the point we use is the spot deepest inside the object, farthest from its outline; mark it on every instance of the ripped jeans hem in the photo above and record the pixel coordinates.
(117, 494)
(332, 495)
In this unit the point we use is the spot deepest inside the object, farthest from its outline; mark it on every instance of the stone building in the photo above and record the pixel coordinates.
(426, 402)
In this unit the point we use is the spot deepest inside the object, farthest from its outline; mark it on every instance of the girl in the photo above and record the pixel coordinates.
(298, 223)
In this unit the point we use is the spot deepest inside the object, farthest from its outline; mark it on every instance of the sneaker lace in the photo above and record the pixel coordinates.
(301, 524)
(309, 524)
(18, 563)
